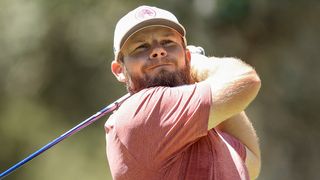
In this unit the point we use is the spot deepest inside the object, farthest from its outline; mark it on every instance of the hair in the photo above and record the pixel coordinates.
(120, 57)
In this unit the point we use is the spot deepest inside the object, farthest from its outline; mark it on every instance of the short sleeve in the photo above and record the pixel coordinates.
(158, 123)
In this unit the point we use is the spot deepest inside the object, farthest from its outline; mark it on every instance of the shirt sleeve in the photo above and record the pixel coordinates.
(158, 123)
(236, 144)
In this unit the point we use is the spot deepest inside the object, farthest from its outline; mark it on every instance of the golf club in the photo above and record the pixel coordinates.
(193, 49)
(72, 131)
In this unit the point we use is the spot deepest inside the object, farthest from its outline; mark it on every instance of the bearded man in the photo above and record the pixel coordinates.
(185, 117)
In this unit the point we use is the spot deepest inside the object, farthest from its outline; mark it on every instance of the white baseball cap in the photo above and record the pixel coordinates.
(142, 17)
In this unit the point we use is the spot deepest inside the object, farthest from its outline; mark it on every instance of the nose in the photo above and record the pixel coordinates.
(158, 52)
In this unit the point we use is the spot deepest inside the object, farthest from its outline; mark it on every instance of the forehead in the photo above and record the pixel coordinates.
(153, 32)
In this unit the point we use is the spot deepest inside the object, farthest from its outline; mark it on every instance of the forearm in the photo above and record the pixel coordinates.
(234, 85)
(220, 69)
(240, 127)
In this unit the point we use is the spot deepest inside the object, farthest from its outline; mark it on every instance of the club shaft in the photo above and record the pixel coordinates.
(72, 131)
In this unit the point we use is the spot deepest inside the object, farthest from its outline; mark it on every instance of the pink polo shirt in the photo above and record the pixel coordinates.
(161, 133)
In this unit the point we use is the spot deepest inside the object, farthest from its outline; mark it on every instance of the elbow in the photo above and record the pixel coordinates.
(255, 82)
(248, 90)
(256, 78)
(245, 74)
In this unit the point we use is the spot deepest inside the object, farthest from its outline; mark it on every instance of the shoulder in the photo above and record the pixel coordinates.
(161, 101)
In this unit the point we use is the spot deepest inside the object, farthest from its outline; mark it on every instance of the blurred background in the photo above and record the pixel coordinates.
(55, 72)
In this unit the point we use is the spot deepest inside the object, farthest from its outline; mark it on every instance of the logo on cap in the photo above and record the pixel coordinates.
(145, 13)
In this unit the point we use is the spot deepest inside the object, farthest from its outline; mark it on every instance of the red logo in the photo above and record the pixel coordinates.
(145, 13)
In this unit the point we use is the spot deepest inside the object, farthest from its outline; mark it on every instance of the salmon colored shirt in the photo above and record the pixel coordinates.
(161, 133)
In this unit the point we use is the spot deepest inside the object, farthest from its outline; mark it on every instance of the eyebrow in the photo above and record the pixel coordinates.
(139, 39)
(169, 33)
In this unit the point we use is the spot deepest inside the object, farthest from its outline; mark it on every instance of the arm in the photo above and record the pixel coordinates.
(234, 85)
(240, 127)
(231, 81)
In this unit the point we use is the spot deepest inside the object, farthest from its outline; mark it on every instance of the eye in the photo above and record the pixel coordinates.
(167, 42)
(142, 47)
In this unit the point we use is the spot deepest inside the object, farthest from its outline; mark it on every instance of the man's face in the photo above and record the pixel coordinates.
(155, 56)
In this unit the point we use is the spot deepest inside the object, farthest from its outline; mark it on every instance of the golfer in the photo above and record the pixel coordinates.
(185, 117)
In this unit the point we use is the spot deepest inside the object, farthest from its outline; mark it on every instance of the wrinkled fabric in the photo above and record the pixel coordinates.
(161, 133)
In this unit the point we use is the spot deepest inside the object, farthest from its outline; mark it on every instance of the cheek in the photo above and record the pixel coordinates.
(180, 56)
(133, 66)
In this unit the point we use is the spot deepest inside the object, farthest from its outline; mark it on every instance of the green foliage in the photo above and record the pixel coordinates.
(231, 11)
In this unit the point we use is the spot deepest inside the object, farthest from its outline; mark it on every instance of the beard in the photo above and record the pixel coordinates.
(164, 78)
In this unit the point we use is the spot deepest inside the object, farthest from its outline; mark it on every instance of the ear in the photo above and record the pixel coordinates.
(118, 71)
(188, 55)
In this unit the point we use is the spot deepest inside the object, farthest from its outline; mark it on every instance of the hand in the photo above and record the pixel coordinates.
(200, 64)
(196, 50)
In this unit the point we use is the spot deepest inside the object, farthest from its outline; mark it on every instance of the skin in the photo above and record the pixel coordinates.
(234, 85)
(153, 55)
(239, 126)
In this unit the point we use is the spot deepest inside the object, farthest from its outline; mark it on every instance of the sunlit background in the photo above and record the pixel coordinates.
(55, 72)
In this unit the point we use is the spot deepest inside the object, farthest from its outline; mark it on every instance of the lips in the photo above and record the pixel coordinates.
(155, 66)
(159, 65)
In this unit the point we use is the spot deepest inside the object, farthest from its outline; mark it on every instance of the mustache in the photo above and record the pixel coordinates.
(153, 63)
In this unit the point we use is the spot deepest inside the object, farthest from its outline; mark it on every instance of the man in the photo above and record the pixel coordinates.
(185, 118)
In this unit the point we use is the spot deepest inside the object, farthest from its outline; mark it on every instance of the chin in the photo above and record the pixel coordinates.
(162, 77)
(168, 78)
